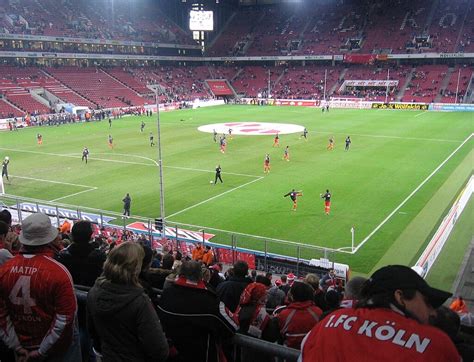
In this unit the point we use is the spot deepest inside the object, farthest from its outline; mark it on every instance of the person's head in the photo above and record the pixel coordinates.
(206, 274)
(178, 255)
(168, 261)
(403, 288)
(6, 217)
(284, 279)
(448, 321)
(36, 231)
(332, 298)
(253, 274)
(241, 269)
(81, 232)
(191, 270)
(300, 292)
(269, 275)
(327, 190)
(291, 278)
(353, 288)
(3, 230)
(208, 248)
(147, 257)
(254, 293)
(198, 245)
(263, 280)
(124, 263)
(312, 280)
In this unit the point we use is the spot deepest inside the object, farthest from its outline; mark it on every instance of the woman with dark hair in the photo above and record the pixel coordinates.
(122, 322)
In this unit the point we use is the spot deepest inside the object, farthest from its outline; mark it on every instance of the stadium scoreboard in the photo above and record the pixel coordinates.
(200, 20)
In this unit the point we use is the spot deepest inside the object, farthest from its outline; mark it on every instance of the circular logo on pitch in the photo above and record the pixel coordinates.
(252, 128)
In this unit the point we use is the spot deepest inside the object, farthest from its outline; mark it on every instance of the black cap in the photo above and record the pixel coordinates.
(393, 277)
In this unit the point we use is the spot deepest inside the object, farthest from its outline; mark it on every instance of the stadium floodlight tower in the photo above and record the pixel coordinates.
(158, 91)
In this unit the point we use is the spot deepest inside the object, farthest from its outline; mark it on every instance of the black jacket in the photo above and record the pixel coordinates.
(230, 290)
(123, 324)
(195, 321)
(83, 261)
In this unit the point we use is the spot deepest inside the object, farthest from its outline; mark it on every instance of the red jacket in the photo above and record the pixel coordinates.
(296, 320)
(37, 304)
(379, 334)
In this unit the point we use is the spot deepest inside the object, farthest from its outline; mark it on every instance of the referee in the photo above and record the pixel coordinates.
(218, 174)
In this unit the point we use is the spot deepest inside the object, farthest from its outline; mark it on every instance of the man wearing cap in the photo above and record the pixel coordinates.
(391, 323)
(37, 302)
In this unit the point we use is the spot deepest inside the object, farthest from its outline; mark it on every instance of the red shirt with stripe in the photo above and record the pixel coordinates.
(379, 334)
(37, 303)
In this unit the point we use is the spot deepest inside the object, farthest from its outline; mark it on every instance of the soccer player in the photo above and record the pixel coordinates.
(266, 164)
(214, 133)
(5, 163)
(152, 142)
(223, 144)
(230, 133)
(142, 126)
(127, 200)
(305, 134)
(39, 139)
(85, 154)
(330, 146)
(327, 201)
(276, 141)
(111, 142)
(218, 175)
(286, 154)
(348, 143)
(110, 123)
(294, 197)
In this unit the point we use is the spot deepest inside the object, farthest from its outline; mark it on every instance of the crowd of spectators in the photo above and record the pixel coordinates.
(144, 306)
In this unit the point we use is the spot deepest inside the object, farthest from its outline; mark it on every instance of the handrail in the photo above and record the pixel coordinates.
(267, 348)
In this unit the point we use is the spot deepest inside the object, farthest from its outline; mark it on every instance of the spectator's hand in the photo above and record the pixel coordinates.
(35, 356)
(21, 354)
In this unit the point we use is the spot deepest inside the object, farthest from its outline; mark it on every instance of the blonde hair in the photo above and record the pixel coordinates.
(313, 280)
(124, 263)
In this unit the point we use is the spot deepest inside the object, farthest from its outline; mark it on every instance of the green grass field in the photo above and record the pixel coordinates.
(390, 174)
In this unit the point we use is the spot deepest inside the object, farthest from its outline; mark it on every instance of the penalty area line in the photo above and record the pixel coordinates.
(214, 197)
(377, 228)
(74, 194)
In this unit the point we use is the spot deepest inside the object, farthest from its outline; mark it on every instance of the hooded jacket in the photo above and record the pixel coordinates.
(123, 324)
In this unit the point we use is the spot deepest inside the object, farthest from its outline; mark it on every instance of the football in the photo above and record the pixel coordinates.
(211, 182)
(7, 158)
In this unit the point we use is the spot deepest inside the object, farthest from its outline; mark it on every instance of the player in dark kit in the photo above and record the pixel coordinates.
(127, 200)
(348, 143)
(218, 174)
(110, 123)
(110, 141)
(305, 134)
(294, 197)
(327, 201)
(152, 138)
(214, 136)
(85, 154)
(142, 126)
(5, 163)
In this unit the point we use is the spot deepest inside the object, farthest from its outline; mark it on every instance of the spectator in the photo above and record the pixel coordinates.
(12, 244)
(122, 321)
(177, 260)
(198, 252)
(65, 228)
(448, 321)
(216, 279)
(230, 290)
(391, 320)
(352, 292)
(459, 306)
(275, 296)
(284, 284)
(156, 277)
(329, 280)
(37, 298)
(291, 279)
(297, 318)
(81, 258)
(208, 256)
(193, 317)
(5, 255)
(319, 295)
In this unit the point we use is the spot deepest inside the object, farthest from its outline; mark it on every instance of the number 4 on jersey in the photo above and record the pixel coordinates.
(20, 294)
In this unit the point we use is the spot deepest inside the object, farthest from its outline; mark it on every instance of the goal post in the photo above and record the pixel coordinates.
(2, 187)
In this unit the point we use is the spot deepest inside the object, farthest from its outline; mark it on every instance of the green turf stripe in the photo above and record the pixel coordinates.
(405, 247)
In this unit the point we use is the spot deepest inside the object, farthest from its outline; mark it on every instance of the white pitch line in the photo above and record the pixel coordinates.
(420, 114)
(214, 197)
(411, 194)
(53, 182)
(394, 137)
(75, 194)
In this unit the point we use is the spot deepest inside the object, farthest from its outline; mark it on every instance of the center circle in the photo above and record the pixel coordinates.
(251, 128)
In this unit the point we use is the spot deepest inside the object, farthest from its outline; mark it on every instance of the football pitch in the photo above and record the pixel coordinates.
(397, 162)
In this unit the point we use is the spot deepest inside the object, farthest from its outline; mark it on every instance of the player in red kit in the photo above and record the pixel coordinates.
(327, 201)
(266, 164)
(294, 197)
(276, 141)
(37, 301)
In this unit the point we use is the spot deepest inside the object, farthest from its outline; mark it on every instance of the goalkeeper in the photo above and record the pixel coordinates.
(294, 197)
